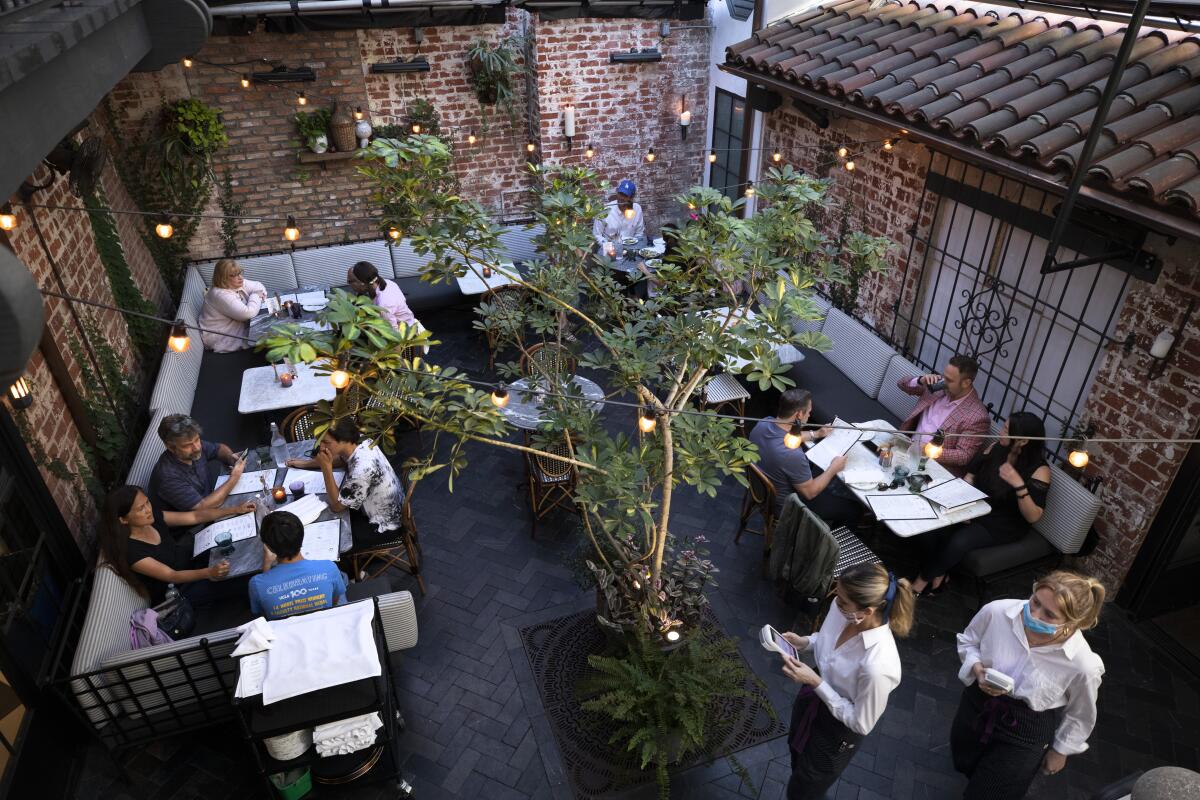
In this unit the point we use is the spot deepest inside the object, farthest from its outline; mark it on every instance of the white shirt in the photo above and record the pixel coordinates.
(226, 314)
(613, 227)
(371, 485)
(1050, 676)
(857, 677)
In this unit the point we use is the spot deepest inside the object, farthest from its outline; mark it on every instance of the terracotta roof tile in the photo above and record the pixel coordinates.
(1021, 83)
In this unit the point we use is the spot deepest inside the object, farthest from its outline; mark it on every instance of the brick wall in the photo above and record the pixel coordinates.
(886, 189)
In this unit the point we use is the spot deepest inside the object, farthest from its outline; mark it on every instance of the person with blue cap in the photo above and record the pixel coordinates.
(623, 220)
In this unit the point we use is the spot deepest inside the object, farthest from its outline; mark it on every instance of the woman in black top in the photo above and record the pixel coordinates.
(135, 542)
(1015, 477)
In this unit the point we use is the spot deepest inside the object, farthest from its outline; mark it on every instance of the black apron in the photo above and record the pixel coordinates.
(821, 747)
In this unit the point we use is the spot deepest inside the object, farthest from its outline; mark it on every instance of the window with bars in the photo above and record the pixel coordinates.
(728, 173)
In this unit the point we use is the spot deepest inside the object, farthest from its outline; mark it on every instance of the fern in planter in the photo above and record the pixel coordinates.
(660, 702)
(493, 68)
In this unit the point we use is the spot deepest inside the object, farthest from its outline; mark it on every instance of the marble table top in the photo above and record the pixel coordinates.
(472, 283)
(262, 392)
(524, 407)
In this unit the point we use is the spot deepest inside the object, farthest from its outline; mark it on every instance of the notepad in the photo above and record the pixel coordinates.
(241, 526)
(307, 508)
(249, 482)
(953, 493)
(901, 506)
(321, 540)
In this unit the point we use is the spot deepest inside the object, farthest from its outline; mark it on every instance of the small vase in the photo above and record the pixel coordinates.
(363, 131)
(319, 144)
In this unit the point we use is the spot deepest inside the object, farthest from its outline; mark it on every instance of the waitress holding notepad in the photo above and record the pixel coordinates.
(858, 666)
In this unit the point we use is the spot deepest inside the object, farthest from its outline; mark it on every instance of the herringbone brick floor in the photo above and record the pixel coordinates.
(475, 723)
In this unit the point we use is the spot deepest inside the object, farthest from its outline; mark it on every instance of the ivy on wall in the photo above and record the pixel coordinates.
(232, 208)
(111, 425)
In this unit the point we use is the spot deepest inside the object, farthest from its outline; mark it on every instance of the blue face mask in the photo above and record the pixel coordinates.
(1036, 625)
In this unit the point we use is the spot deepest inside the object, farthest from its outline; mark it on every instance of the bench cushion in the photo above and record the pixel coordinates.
(890, 395)
(834, 394)
(424, 296)
(992, 560)
(148, 452)
(857, 352)
(275, 272)
(327, 266)
(405, 261)
(176, 384)
(1070, 511)
(194, 288)
(517, 242)
(105, 634)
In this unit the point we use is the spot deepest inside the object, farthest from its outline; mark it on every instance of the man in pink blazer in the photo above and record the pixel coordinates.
(949, 402)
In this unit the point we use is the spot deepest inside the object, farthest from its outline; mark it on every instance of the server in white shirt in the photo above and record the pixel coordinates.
(623, 221)
(857, 668)
(1001, 737)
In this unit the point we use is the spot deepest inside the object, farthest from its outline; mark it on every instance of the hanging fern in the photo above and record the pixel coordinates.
(231, 208)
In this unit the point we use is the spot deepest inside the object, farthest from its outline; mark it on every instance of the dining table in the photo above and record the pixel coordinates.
(246, 555)
(787, 353)
(262, 389)
(526, 397)
(475, 282)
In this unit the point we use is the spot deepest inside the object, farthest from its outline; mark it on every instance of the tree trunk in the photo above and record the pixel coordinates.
(664, 517)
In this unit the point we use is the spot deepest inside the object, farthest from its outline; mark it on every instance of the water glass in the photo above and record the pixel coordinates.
(224, 543)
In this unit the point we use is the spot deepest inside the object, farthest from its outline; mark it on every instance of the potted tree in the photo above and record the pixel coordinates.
(314, 128)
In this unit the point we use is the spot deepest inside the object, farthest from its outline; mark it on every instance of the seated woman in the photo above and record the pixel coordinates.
(1015, 477)
(364, 278)
(135, 542)
(228, 308)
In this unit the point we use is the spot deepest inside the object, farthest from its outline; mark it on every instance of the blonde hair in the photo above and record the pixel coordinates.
(1080, 597)
(867, 586)
(221, 272)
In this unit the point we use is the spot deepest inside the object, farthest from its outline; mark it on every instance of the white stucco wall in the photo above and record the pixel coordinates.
(726, 31)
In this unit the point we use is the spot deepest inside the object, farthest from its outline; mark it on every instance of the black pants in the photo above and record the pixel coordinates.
(826, 753)
(365, 533)
(999, 743)
(836, 505)
(944, 549)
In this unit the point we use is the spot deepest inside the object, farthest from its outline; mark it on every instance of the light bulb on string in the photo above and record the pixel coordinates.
(712, 156)
(887, 145)
(340, 378)
(628, 213)
(187, 62)
(8, 218)
(163, 227)
(749, 189)
(933, 448)
(20, 396)
(647, 420)
(394, 234)
(245, 81)
(471, 137)
(530, 146)
(794, 437)
(650, 156)
(358, 113)
(179, 341)
(777, 156)
(1078, 457)
(849, 165)
(301, 99)
(291, 232)
(416, 127)
(500, 396)
(843, 151)
(672, 636)
(589, 151)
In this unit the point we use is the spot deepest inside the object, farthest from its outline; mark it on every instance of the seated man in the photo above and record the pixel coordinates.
(622, 220)
(184, 476)
(290, 584)
(949, 402)
(371, 489)
(790, 471)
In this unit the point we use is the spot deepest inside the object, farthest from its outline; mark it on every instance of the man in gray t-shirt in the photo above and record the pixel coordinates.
(790, 471)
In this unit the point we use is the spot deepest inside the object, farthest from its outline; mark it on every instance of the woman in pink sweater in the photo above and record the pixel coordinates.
(228, 308)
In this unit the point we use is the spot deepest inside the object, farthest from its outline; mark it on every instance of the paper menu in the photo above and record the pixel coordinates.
(837, 443)
(252, 669)
(307, 508)
(900, 506)
(321, 540)
(241, 526)
(316, 298)
(953, 493)
(314, 481)
(249, 482)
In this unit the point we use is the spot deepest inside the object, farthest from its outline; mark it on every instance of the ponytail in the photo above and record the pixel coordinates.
(366, 272)
(872, 586)
(903, 612)
(1080, 597)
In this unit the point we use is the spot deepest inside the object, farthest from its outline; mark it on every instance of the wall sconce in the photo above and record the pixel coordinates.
(20, 396)
(685, 116)
(569, 124)
(1165, 343)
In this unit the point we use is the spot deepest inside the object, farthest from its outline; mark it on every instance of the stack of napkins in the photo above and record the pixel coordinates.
(346, 735)
(256, 637)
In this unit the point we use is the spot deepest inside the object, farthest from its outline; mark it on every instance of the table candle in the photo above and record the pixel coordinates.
(297, 488)
(569, 122)
(487, 272)
(285, 380)
(279, 494)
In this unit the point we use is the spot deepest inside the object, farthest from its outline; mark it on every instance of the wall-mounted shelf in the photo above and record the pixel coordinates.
(308, 157)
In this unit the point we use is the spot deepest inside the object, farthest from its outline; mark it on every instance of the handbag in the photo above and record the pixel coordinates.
(176, 617)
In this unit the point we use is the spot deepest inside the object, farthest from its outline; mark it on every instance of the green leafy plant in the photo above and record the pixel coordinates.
(660, 703)
(112, 420)
(313, 124)
(861, 255)
(422, 112)
(231, 208)
(494, 68)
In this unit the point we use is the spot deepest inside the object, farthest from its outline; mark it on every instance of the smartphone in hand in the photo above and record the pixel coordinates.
(772, 639)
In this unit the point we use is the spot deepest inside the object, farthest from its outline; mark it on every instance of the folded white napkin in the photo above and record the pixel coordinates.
(256, 637)
(347, 735)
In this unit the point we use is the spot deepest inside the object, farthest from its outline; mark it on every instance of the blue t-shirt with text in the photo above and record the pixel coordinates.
(296, 588)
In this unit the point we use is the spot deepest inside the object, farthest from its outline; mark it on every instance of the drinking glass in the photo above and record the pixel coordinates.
(224, 542)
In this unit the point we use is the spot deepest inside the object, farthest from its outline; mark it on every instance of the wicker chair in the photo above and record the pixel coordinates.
(759, 497)
(299, 425)
(506, 299)
(402, 552)
(723, 393)
(551, 482)
(548, 360)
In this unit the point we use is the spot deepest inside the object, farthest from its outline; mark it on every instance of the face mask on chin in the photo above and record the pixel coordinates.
(1036, 625)
(852, 618)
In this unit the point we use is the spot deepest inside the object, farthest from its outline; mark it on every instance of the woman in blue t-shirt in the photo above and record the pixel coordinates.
(289, 583)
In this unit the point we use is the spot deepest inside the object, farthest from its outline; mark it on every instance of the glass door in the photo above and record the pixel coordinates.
(728, 173)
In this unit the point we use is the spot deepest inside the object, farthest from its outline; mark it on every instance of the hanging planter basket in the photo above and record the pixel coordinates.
(484, 82)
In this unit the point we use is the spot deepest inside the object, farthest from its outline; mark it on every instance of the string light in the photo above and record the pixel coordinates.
(933, 448)
(187, 62)
(245, 81)
(530, 146)
(179, 341)
(849, 166)
(471, 137)
(589, 151)
(301, 99)
(291, 232)
(629, 213)
(647, 420)
(1078, 457)
(672, 636)
(19, 394)
(843, 151)
(8, 218)
(887, 145)
(416, 127)
(340, 378)
(777, 156)
(500, 396)
(650, 156)
(358, 113)
(712, 156)
(794, 437)
(749, 189)
(163, 228)
(394, 234)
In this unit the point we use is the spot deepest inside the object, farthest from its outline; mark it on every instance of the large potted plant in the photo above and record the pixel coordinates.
(493, 69)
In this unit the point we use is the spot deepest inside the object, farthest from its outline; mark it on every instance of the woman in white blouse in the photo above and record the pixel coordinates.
(1000, 738)
(858, 666)
(228, 308)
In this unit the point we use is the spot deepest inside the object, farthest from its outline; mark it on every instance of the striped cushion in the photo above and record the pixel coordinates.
(327, 266)
(105, 634)
(173, 391)
(406, 263)
(517, 242)
(274, 272)
(809, 326)
(148, 453)
(723, 388)
(193, 289)
(890, 395)
(859, 354)
(399, 616)
(1070, 511)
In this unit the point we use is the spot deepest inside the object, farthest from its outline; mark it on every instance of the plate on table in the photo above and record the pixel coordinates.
(629, 242)
(314, 306)
(653, 262)
(649, 252)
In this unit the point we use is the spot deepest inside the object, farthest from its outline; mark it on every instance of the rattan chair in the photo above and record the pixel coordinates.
(548, 361)
(506, 300)
(552, 482)
(760, 498)
(402, 552)
(723, 393)
(300, 424)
